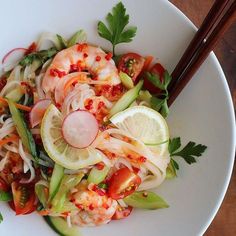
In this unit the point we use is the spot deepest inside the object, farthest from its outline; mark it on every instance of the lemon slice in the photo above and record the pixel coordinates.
(145, 124)
(58, 149)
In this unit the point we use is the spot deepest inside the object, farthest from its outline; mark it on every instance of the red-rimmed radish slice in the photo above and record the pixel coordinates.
(11, 59)
(79, 129)
(37, 112)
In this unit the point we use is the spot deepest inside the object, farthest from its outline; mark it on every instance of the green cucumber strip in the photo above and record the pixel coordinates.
(97, 176)
(5, 196)
(78, 37)
(126, 99)
(62, 44)
(170, 170)
(57, 175)
(144, 95)
(145, 200)
(40, 192)
(126, 80)
(60, 226)
(15, 94)
(68, 182)
(22, 129)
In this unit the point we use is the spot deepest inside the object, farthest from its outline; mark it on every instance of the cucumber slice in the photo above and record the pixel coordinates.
(145, 200)
(126, 99)
(60, 226)
(97, 176)
(144, 95)
(15, 94)
(57, 175)
(126, 80)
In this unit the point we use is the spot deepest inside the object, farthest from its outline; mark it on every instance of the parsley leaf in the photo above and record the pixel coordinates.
(189, 152)
(116, 32)
(1, 218)
(160, 103)
(42, 56)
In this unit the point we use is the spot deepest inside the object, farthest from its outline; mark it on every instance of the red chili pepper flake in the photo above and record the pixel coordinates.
(31, 48)
(98, 58)
(73, 67)
(142, 159)
(65, 213)
(108, 56)
(136, 170)
(85, 55)
(99, 191)
(89, 106)
(74, 83)
(56, 72)
(100, 165)
(79, 206)
(117, 89)
(58, 105)
(101, 104)
(95, 78)
(49, 171)
(105, 205)
(81, 47)
(24, 83)
(91, 207)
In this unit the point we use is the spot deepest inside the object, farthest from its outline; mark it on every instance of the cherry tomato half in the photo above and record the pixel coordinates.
(122, 212)
(159, 70)
(122, 183)
(131, 64)
(23, 198)
(3, 185)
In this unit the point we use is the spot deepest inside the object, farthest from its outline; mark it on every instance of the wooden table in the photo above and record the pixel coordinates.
(224, 223)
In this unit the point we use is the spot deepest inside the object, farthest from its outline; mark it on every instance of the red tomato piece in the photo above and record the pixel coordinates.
(159, 70)
(3, 185)
(23, 198)
(122, 183)
(131, 64)
(122, 212)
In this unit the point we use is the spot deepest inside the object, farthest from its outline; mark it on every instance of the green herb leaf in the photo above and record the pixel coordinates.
(167, 79)
(116, 31)
(189, 152)
(1, 218)
(175, 164)
(174, 144)
(156, 103)
(62, 42)
(164, 108)
(5, 196)
(103, 185)
(42, 56)
(155, 80)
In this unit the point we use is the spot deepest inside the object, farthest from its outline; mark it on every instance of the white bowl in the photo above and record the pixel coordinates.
(202, 113)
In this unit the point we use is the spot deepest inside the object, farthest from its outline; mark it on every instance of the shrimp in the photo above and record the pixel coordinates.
(95, 208)
(81, 57)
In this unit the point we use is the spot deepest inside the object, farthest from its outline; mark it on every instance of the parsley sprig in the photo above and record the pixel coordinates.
(116, 30)
(189, 152)
(1, 218)
(159, 103)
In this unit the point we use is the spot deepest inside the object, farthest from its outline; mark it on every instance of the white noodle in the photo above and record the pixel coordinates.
(4, 161)
(28, 162)
(38, 82)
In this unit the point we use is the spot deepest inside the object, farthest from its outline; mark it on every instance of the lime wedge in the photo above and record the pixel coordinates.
(145, 124)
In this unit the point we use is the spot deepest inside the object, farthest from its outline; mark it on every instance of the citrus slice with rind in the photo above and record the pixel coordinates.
(58, 149)
(145, 124)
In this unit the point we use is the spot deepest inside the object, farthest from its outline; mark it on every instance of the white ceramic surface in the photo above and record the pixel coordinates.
(202, 113)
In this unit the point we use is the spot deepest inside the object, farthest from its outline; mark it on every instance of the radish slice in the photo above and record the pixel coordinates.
(37, 112)
(11, 59)
(79, 129)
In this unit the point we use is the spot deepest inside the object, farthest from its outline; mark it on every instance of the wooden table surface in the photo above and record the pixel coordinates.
(224, 224)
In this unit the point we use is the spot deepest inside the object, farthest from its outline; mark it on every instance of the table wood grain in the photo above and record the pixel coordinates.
(224, 224)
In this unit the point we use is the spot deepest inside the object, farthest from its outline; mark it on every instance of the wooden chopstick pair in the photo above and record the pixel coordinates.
(219, 18)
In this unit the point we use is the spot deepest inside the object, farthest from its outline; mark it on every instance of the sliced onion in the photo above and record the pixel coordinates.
(38, 82)
(79, 129)
(37, 112)
(12, 58)
(4, 161)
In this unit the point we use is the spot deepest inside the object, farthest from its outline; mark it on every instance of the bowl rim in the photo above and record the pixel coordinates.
(213, 57)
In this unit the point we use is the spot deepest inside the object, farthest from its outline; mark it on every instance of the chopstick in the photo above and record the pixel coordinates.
(215, 24)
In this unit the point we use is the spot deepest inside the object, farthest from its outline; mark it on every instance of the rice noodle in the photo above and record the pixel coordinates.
(47, 37)
(122, 203)
(28, 162)
(26, 99)
(38, 82)
(68, 220)
(124, 162)
(46, 65)
(12, 148)
(7, 128)
(4, 161)
(15, 74)
(44, 163)
(43, 183)
(2, 117)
